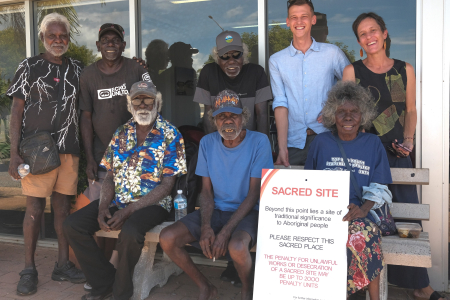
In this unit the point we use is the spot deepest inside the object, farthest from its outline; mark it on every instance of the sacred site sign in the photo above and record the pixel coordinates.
(301, 248)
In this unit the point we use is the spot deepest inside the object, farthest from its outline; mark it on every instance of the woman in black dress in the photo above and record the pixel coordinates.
(393, 84)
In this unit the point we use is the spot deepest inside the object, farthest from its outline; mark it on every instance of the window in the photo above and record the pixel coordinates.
(179, 36)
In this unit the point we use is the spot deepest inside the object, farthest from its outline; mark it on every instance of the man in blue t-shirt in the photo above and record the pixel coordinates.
(230, 162)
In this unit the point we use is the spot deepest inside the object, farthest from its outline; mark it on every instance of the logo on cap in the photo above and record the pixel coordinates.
(228, 39)
(142, 85)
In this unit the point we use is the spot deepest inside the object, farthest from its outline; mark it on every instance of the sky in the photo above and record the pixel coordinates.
(189, 22)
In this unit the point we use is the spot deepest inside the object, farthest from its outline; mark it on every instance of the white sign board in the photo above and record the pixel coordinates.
(301, 247)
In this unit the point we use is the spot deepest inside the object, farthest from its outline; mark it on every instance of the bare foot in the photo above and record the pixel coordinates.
(208, 292)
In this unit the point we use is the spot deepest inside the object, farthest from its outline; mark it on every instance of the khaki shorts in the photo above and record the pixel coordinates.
(62, 180)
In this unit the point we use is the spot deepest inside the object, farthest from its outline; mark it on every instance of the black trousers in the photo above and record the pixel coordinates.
(79, 229)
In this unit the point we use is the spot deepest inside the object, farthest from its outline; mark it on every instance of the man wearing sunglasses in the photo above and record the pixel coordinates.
(142, 161)
(104, 87)
(232, 70)
(301, 76)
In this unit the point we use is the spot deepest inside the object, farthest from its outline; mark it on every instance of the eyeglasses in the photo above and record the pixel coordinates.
(106, 41)
(147, 101)
(236, 55)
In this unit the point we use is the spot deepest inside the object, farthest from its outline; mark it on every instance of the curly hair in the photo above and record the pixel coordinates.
(245, 117)
(347, 91)
(215, 54)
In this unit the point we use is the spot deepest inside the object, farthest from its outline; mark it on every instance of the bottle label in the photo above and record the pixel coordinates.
(180, 205)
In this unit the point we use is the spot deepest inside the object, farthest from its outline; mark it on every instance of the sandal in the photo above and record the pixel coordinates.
(436, 296)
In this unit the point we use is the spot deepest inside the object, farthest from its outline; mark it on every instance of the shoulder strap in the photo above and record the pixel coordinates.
(352, 176)
(60, 96)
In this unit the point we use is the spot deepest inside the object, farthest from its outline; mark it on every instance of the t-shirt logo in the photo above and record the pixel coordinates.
(146, 77)
(228, 39)
(115, 91)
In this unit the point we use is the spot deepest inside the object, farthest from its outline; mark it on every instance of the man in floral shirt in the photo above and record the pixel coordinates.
(143, 159)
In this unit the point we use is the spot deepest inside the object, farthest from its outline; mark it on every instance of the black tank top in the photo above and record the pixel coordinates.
(389, 91)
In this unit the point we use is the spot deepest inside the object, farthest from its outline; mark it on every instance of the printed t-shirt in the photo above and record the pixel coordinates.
(37, 81)
(230, 169)
(251, 85)
(105, 96)
(139, 169)
(366, 156)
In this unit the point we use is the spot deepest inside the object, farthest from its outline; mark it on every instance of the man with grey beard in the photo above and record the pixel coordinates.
(230, 162)
(142, 161)
(45, 92)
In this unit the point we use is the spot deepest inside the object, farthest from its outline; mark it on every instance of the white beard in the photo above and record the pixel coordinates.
(229, 136)
(56, 53)
(144, 119)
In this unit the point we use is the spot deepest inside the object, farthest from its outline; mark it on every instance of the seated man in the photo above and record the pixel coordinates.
(143, 159)
(230, 162)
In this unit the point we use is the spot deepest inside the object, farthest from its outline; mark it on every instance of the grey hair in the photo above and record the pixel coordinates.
(159, 102)
(245, 117)
(347, 91)
(52, 18)
(215, 54)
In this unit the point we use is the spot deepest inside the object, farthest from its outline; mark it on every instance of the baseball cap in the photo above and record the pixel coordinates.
(111, 27)
(227, 101)
(143, 88)
(227, 41)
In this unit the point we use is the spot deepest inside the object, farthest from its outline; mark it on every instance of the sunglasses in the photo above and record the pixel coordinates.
(147, 101)
(227, 56)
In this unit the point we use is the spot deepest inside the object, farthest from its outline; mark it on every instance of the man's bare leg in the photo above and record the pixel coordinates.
(61, 209)
(172, 240)
(238, 248)
(31, 226)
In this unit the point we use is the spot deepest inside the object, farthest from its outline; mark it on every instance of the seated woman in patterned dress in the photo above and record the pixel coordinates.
(348, 110)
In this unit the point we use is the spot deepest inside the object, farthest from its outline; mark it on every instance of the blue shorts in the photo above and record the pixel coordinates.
(249, 224)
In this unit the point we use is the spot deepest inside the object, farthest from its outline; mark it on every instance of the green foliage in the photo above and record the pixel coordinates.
(279, 38)
(350, 54)
(81, 53)
(12, 51)
(5, 148)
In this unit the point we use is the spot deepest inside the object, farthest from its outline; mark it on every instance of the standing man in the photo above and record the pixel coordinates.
(34, 90)
(143, 159)
(104, 87)
(232, 70)
(301, 76)
(230, 162)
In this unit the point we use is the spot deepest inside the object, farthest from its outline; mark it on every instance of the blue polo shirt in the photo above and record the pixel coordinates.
(230, 169)
(301, 81)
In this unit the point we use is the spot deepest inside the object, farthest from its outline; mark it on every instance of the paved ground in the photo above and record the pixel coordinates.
(177, 288)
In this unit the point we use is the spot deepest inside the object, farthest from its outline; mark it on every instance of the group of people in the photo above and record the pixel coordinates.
(134, 154)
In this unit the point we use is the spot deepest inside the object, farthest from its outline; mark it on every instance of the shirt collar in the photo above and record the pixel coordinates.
(314, 47)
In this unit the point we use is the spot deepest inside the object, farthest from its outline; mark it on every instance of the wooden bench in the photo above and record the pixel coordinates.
(396, 251)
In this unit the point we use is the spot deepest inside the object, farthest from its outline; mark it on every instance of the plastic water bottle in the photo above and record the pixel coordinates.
(23, 170)
(180, 203)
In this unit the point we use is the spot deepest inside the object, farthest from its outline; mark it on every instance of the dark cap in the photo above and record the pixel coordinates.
(227, 101)
(143, 88)
(227, 41)
(111, 27)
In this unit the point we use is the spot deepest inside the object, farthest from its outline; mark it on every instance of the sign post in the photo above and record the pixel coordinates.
(301, 248)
